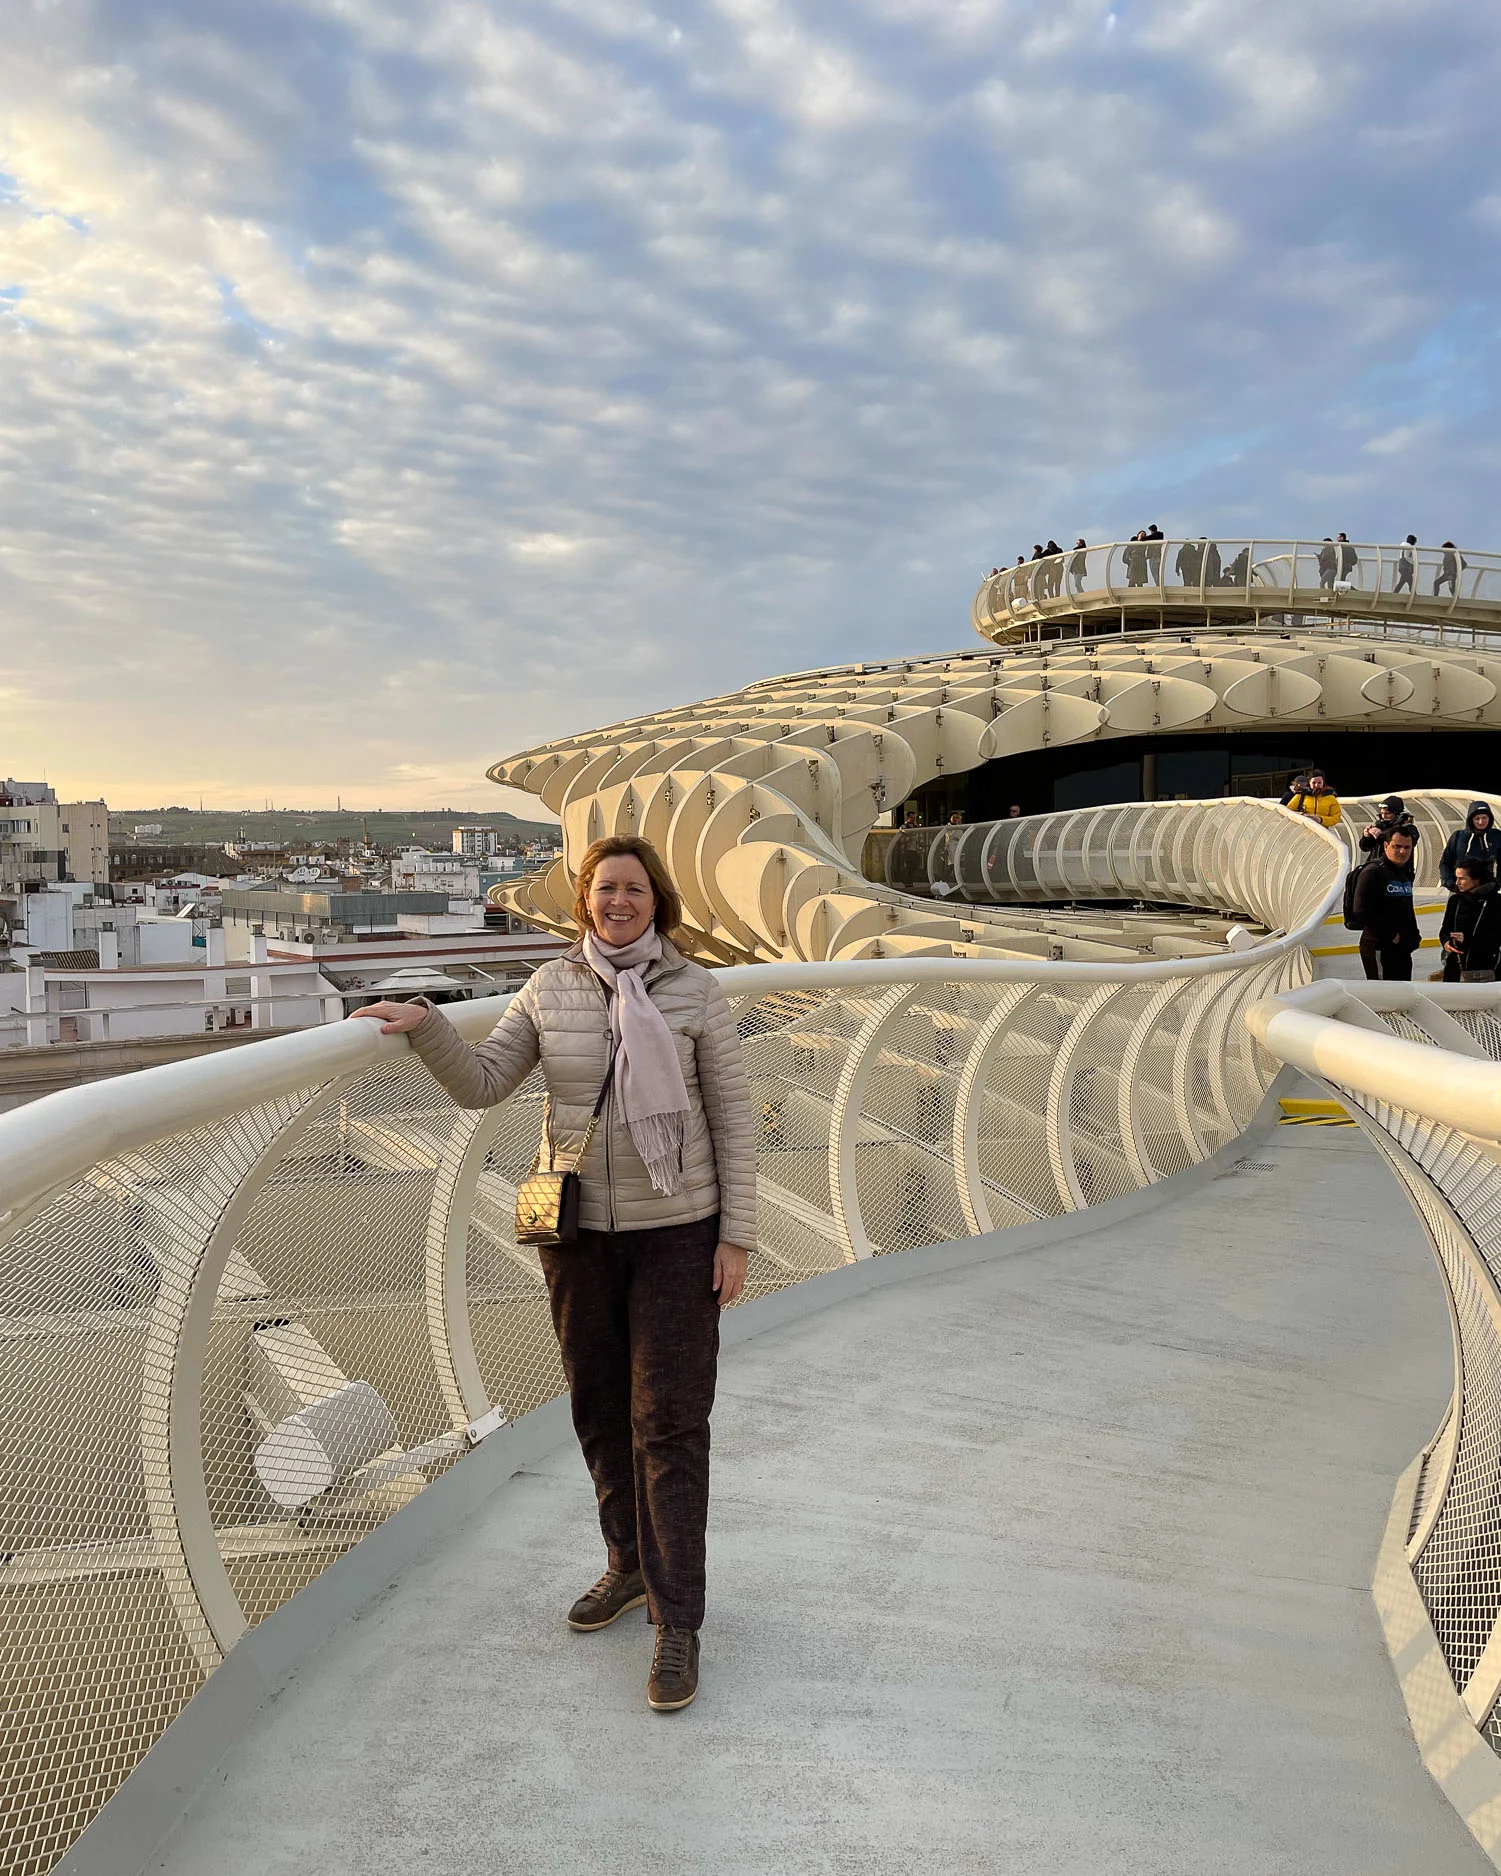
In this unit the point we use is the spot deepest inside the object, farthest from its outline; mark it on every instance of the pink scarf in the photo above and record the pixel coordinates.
(647, 1071)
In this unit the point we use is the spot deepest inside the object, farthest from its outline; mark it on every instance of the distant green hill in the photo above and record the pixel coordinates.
(425, 827)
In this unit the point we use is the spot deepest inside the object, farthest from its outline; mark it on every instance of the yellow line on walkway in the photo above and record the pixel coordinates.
(1349, 951)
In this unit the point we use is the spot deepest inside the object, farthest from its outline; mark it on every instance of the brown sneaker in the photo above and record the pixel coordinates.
(614, 1593)
(674, 1670)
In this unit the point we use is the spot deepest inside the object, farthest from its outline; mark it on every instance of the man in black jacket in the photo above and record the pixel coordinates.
(1389, 814)
(1476, 840)
(1383, 912)
(1470, 936)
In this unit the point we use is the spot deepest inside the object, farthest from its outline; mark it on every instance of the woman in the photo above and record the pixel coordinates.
(1470, 936)
(667, 1220)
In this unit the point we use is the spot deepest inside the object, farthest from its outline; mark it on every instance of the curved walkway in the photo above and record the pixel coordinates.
(1225, 582)
(1054, 1564)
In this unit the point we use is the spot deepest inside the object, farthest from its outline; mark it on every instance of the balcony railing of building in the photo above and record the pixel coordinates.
(1419, 1067)
(1445, 591)
(255, 1304)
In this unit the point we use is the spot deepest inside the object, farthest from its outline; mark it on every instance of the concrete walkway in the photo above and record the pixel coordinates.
(1053, 1566)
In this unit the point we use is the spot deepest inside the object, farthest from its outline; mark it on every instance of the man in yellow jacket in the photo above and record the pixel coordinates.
(1318, 800)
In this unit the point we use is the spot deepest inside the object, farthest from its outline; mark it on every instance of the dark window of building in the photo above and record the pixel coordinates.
(1092, 788)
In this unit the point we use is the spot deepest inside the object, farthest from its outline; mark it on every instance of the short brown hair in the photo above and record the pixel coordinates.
(668, 913)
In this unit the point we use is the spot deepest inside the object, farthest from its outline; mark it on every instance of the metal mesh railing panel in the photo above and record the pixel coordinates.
(102, 1642)
(1484, 1026)
(1152, 1110)
(326, 1289)
(1012, 1139)
(1459, 1571)
(1101, 1162)
(509, 1318)
(903, 1143)
(1434, 1470)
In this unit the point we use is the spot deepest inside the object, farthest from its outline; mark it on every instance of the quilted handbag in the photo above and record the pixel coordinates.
(547, 1202)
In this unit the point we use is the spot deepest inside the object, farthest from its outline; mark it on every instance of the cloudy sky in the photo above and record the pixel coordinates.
(386, 387)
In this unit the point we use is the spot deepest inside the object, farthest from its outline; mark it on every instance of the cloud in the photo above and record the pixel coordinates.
(384, 389)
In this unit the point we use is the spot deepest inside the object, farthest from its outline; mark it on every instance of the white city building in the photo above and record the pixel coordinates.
(475, 843)
(418, 870)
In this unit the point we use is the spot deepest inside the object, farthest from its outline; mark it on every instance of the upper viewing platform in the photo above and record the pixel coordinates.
(1087, 590)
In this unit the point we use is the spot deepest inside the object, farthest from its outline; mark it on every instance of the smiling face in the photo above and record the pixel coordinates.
(621, 900)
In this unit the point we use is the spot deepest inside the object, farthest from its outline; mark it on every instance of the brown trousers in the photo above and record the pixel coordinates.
(638, 1326)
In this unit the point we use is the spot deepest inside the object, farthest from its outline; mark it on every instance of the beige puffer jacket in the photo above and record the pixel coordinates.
(562, 1019)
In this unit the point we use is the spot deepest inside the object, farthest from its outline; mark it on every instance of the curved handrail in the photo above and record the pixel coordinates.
(1220, 577)
(1309, 1028)
(55, 1138)
(1419, 1067)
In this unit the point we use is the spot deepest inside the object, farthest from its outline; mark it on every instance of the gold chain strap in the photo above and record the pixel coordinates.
(546, 1139)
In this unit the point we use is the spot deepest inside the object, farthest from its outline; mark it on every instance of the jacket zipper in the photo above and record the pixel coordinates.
(608, 1117)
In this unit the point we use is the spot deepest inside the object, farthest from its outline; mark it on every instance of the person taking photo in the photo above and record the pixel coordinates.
(1316, 799)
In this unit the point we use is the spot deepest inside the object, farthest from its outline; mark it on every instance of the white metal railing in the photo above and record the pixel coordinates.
(1419, 1066)
(1369, 579)
(251, 1304)
(1188, 853)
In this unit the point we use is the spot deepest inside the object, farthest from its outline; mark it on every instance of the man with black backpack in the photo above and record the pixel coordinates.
(1378, 904)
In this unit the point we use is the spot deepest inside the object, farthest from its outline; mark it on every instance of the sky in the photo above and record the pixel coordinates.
(385, 388)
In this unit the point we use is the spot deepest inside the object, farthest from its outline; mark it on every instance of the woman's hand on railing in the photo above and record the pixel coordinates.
(729, 1273)
(396, 1019)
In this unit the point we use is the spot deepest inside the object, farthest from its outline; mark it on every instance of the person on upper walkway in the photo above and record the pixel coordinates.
(1052, 554)
(1317, 799)
(1154, 538)
(1382, 910)
(1295, 787)
(1478, 839)
(628, 1030)
(1349, 561)
(1470, 936)
(1189, 563)
(1077, 566)
(1450, 563)
(1328, 563)
(1136, 559)
(1403, 581)
(1389, 814)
